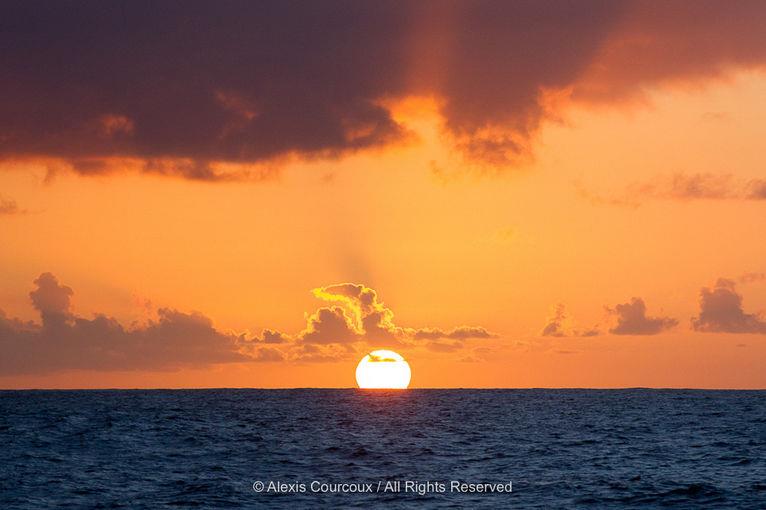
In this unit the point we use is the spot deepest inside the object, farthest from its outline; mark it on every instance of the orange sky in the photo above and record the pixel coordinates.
(496, 251)
(576, 206)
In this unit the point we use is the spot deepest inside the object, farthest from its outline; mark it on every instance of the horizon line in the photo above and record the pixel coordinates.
(430, 388)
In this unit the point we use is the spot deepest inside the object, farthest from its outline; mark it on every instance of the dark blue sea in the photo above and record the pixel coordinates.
(348, 448)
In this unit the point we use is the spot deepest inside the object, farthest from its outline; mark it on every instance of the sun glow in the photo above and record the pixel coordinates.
(383, 370)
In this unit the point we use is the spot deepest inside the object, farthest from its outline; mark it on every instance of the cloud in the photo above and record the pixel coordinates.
(632, 319)
(558, 325)
(65, 341)
(329, 326)
(273, 337)
(721, 311)
(683, 187)
(370, 318)
(752, 277)
(362, 315)
(457, 335)
(268, 355)
(444, 346)
(460, 333)
(700, 186)
(756, 189)
(311, 353)
(374, 358)
(9, 207)
(62, 340)
(210, 91)
(51, 299)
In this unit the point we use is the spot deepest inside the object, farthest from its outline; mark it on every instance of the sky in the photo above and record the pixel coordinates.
(526, 194)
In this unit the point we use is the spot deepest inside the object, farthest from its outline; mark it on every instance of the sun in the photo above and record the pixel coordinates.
(383, 370)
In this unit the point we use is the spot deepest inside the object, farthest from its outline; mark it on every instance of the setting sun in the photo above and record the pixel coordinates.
(383, 369)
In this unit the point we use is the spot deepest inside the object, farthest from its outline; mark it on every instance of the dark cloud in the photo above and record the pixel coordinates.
(558, 325)
(671, 41)
(65, 341)
(721, 311)
(632, 319)
(203, 90)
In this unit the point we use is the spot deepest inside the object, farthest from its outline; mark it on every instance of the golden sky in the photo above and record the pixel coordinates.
(568, 240)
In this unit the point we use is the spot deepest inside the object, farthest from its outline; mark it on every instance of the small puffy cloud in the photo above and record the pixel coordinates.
(555, 324)
(632, 319)
(559, 325)
(50, 298)
(9, 207)
(721, 311)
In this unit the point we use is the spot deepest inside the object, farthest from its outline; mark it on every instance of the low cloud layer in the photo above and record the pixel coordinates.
(632, 320)
(721, 311)
(62, 340)
(204, 90)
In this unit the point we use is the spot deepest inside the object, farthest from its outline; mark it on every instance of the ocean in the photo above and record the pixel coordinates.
(346, 448)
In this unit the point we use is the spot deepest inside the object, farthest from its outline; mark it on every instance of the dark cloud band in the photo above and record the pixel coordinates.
(179, 88)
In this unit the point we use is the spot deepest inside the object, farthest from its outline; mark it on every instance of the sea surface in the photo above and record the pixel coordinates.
(211, 449)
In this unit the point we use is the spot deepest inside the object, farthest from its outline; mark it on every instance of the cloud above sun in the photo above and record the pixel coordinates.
(210, 91)
(62, 340)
